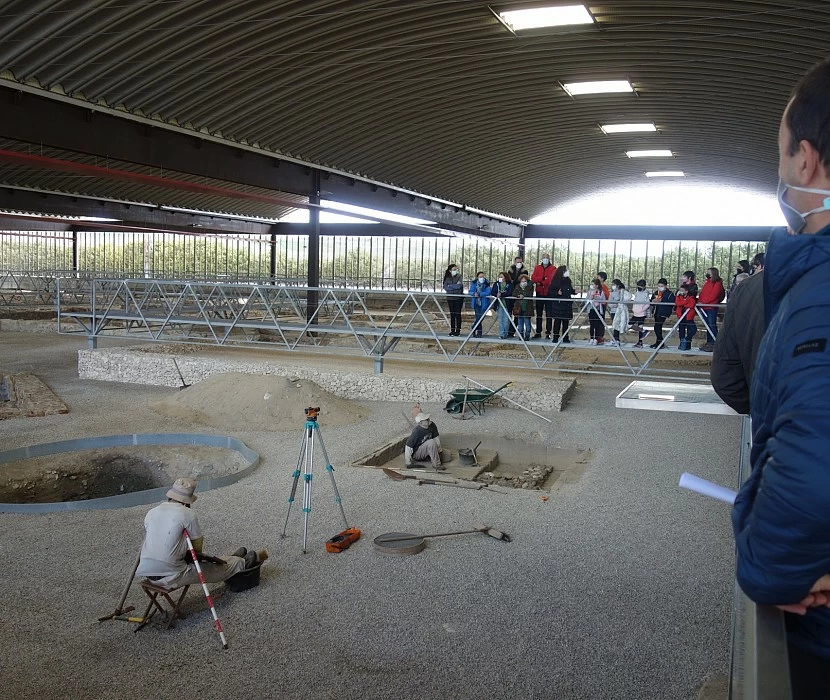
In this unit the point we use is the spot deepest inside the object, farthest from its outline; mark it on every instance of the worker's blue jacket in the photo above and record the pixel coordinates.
(781, 517)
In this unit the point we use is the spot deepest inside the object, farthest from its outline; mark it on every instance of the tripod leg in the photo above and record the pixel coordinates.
(296, 476)
(307, 476)
(330, 470)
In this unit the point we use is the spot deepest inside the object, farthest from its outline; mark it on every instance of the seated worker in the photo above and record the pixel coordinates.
(165, 558)
(423, 443)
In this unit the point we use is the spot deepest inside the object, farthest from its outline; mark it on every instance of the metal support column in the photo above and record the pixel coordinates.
(272, 267)
(521, 252)
(313, 247)
(76, 258)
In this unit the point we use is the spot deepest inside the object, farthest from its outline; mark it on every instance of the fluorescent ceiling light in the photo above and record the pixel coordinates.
(627, 128)
(595, 87)
(547, 17)
(650, 154)
(666, 173)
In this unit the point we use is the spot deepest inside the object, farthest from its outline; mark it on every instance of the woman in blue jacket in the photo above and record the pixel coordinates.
(479, 300)
(501, 290)
(454, 287)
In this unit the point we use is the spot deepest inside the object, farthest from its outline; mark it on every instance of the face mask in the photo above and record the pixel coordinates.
(614, 287)
(566, 274)
(797, 220)
(518, 266)
(481, 280)
(593, 287)
(640, 289)
(523, 285)
(545, 261)
(501, 279)
(453, 272)
(661, 287)
(708, 276)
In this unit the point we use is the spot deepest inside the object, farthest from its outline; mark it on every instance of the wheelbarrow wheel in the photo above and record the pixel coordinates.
(453, 406)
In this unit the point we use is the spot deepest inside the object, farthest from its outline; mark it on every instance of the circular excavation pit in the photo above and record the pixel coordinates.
(124, 471)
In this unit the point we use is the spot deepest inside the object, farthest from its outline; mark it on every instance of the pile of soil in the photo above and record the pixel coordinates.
(238, 401)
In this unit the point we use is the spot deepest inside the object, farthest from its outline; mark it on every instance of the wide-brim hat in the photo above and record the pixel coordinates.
(182, 491)
(421, 417)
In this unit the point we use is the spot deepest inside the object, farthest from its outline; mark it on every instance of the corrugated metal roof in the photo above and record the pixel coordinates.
(439, 96)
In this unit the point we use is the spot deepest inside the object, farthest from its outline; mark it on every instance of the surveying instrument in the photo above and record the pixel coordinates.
(306, 460)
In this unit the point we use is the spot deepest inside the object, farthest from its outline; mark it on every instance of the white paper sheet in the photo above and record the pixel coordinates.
(707, 488)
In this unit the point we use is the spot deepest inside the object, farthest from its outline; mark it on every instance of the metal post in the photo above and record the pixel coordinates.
(272, 268)
(521, 250)
(76, 258)
(313, 248)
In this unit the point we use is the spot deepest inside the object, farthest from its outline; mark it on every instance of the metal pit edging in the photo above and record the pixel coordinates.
(135, 498)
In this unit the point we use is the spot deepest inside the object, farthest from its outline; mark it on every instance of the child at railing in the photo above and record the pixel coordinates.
(684, 308)
(523, 308)
(618, 305)
(639, 311)
(661, 299)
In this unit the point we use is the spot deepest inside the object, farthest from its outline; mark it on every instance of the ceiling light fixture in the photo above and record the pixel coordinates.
(665, 173)
(627, 128)
(650, 154)
(536, 18)
(597, 87)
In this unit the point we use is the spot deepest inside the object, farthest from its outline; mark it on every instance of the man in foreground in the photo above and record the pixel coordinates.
(164, 553)
(781, 517)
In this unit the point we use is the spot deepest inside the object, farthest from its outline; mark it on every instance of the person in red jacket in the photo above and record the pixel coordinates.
(542, 277)
(684, 307)
(712, 293)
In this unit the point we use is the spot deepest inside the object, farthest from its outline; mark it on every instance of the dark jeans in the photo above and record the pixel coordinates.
(455, 305)
(809, 674)
(545, 305)
(596, 325)
(710, 317)
(687, 330)
(509, 303)
(658, 330)
(560, 325)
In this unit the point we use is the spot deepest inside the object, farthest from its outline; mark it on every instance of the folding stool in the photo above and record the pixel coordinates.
(172, 613)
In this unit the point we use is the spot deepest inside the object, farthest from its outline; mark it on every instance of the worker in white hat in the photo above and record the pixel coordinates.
(164, 553)
(423, 443)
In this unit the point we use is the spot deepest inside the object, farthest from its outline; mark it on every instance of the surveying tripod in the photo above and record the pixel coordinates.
(306, 459)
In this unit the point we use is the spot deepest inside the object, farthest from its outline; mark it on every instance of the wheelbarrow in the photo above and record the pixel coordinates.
(475, 399)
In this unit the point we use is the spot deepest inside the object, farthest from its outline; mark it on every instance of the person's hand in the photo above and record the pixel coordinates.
(819, 596)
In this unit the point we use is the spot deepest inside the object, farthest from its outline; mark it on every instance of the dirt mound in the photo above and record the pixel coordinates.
(240, 401)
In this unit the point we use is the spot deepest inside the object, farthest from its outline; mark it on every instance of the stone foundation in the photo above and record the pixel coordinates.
(137, 366)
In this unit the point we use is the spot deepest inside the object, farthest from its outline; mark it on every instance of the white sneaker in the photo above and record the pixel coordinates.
(592, 341)
(614, 344)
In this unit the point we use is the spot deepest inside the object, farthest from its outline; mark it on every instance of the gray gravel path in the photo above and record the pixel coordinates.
(619, 586)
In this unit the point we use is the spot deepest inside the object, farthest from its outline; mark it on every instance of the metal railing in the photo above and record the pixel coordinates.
(373, 324)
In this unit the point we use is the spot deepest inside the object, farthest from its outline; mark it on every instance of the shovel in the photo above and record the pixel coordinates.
(397, 476)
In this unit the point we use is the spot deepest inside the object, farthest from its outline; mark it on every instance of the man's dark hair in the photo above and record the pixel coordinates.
(603, 276)
(759, 259)
(691, 275)
(808, 116)
(662, 280)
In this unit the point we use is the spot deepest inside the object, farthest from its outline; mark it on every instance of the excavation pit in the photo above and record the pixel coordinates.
(116, 471)
(502, 461)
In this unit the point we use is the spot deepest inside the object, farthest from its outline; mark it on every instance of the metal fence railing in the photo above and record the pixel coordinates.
(371, 323)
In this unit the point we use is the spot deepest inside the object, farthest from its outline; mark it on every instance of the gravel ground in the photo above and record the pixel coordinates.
(619, 586)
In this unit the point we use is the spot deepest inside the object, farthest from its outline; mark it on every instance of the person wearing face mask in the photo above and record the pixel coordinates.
(741, 274)
(517, 269)
(618, 306)
(542, 276)
(523, 309)
(561, 291)
(639, 311)
(684, 308)
(501, 291)
(712, 293)
(758, 263)
(454, 287)
(662, 307)
(479, 300)
(595, 323)
(781, 517)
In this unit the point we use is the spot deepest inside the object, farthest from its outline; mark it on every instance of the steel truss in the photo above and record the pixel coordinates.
(374, 324)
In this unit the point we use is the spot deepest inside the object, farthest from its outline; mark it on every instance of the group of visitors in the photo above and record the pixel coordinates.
(547, 293)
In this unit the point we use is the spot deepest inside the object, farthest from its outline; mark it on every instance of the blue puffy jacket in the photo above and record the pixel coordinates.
(781, 517)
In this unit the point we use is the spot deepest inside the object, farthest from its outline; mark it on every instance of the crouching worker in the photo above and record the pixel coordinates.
(165, 558)
(423, 443)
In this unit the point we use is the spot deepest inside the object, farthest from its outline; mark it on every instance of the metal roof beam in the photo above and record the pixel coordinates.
(650, 233)
(58, 123)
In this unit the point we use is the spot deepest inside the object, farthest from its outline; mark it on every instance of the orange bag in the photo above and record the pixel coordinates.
(343, 540)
